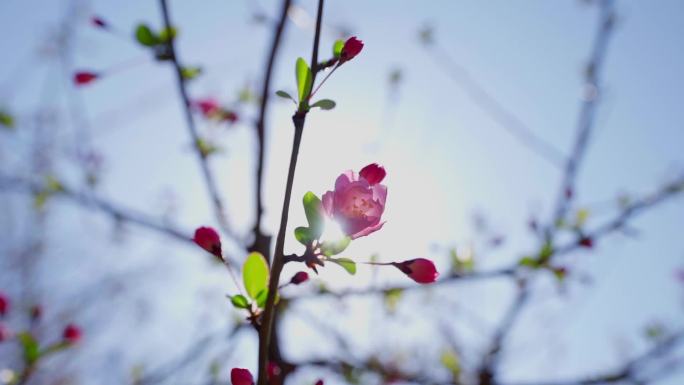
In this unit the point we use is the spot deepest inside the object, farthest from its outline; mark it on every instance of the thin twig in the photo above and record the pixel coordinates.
(210, 182)
(298, 119)
(262, 242)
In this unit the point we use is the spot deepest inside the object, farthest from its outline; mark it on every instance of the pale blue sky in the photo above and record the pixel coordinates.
(445, 156)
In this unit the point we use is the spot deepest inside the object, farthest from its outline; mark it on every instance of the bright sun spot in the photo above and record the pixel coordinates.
(332, 231)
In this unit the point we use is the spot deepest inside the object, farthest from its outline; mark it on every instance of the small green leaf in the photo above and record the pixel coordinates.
(261, 298)
(450, 361)
(189, 73)
(330, 248)
(167, 34)
(303, 235)
(314, 215)
(530, 262)
(346, 263)
(255, 274)
(285, 95)
(546, 252)
(303, 75)
(239, 301)
(6, 120)
(392, 298)
(145, 36)
(206, 148)
(324, 104)
(31, 349)
(337, 48)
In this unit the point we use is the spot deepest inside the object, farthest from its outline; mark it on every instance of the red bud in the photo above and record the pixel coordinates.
(373, 173)
(4, 304)
(300, 277)
(351, 48)
(98, 22)
(83, 77)
(586, 242)
(208, 239)
(420, 270)
(72, 334)
(240, 376)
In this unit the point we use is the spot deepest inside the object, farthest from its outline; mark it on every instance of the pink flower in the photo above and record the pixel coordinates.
(209, 107)
(72, 334)
(240, 376)
(83, 77)
(300, 277)
(4, 304)
(420, 270)
(357, 203)
(351, 48)
(208, 239)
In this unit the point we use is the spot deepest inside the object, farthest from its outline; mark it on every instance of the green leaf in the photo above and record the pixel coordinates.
(392, 298)
(30, 346)
(314, 214)
(206, 148)
(303, 75)
(324, 104)
(346, 263)
(255, 274)
(330, 248)
(450, 361)
(337, 48)
(6, 120)
(262, 296)
(285, 95)
(546, 252)
(239, 301)
(303, 235)
(530, 262)
(145, 36)
(189, 73)
(167, 34)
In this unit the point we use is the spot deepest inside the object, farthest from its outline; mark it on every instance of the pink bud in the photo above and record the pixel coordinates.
(373, 173)
(208, 239)
(207, 106)
(352, 47)
(82, 78)
(72, 334)
(240, 376)
(98, 22)
(420, 270)
(319, 382)
(4, 304)
(300, 277)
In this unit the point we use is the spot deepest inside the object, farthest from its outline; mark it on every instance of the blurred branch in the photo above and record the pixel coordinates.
(494, 109)
(192, 129)
(630, 371)
(585, 124)
(88, 200)
(262, 242)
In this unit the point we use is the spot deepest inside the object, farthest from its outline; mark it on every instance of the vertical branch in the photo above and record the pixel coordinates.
(487, 370)
(262, 242)
(299, 120)
(586, 120)
(190, 123)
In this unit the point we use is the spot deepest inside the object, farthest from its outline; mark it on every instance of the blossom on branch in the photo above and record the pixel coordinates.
(357, 203)
(352, 47)
(208, 239)
(239, 376)
(420, 270)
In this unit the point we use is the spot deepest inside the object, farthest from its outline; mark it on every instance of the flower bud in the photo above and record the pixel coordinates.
(373, 173)
(240, 376)
(72, 334)
(351, 48)
(300, 277)
(420, 270)
(82, 78)
(4, 304)
(208, 239)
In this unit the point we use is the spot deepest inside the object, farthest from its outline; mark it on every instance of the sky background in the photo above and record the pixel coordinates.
(446, 160)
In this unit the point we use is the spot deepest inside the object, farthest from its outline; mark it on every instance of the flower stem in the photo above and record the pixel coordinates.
(298, 119)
